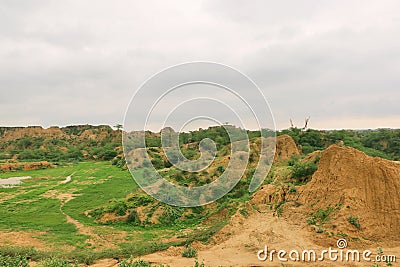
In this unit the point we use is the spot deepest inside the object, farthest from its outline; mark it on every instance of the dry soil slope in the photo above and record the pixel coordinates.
(285, 148)
(368, 188)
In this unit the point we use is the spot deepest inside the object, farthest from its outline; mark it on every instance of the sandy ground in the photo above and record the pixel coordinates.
(23, 239)
(235, 245)
(252, 234)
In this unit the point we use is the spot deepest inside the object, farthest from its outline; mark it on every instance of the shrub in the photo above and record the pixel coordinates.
(56, 262)
(157, 163)
(13, 261)
(170, 214)
(190, 252)
(167, 164)
(133, 218)
(292, 189)
(279, 211)
(139, 199)
(301, 171)
(320, 216)
(244, 212)
(189, 153)
(220, 169)
(130, 263)
(294, 159)
(118, 207)
(197, 264)
(73, 153)
(109, 154)
(139, 263)
(354, 221)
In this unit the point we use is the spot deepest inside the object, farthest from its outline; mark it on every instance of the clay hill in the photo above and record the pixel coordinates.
(78, 132)
(71, 143)
(357, 186)
(285, 148)
(351, 193)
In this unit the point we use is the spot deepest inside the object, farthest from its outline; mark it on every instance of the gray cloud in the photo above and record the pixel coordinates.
(78, 62)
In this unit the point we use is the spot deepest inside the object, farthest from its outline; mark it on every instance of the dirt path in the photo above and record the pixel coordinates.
(68, 179)
(237, 245)
(82, 229)
(103, 238)
(95, 239)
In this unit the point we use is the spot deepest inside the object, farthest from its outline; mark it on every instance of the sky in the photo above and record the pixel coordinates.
(80, 62)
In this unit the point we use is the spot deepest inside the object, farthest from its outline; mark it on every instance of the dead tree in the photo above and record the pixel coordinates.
(306, 121)
(291, 123)
(305, 124)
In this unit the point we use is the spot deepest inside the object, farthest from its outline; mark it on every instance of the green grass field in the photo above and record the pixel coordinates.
(34, 206)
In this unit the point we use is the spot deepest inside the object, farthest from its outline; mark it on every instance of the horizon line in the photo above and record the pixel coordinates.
(210, 126)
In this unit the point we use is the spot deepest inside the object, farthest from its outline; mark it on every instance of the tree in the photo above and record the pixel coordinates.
(118, 126)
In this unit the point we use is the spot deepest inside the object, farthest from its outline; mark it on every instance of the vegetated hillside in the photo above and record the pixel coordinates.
(335, 190)
(296, 160)
(307, 201)
(140, 209)
(72, 143)
(86, 142)
(329, 193)
(384, 143)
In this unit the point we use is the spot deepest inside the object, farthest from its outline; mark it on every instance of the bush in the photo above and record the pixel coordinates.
(13, 261)
(109, 154)
(139, 199)
(19, 251)
(133, 218)
(139, 263)
(35, 154)
(190, 252)
(157, 163)
(130, 263)
(292, 189)
(302, 171)
(74, 153)
(118, 207)
(354, 221)
(197, 264)
(321, 216)
(220, 169)
(294, 159)
(56, 262)
(170, 214)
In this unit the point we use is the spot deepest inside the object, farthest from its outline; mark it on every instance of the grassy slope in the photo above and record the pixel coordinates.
(28, 209)
(25, 208)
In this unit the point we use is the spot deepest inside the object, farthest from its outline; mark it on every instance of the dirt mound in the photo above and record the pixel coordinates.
(354, 185)
(26, 166)
(111, 217)
(285, 148)
(100, 133)
(81, 132)
(14, 133)
(313, 156)
(269, 194)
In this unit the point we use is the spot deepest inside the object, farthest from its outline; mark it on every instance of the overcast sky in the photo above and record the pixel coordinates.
(78, 62)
